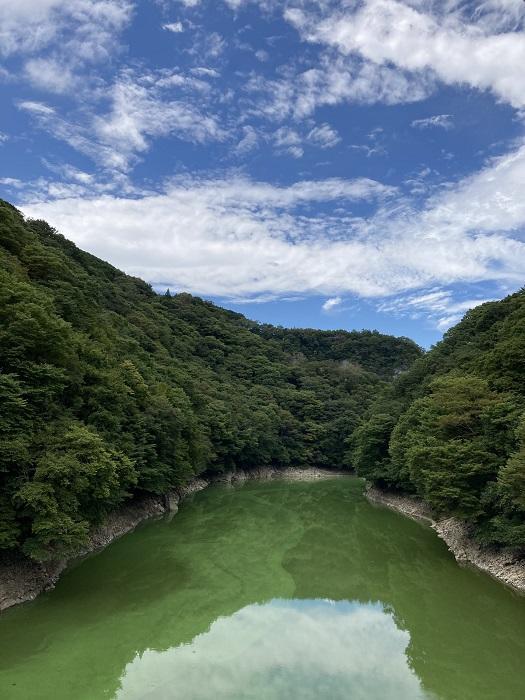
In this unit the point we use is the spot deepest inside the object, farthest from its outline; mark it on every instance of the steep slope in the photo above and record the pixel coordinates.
(108, 390)
(452, 429)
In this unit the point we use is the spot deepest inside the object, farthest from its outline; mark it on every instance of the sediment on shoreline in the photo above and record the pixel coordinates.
(22, 579)
(505, 565)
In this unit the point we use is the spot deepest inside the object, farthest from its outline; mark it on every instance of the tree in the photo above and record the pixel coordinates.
(76, 482)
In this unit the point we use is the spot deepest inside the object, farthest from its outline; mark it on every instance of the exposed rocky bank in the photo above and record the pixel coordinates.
(506, 565)
(22, 579)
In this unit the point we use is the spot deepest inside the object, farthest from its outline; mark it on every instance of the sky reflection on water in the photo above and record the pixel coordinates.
(283, 649)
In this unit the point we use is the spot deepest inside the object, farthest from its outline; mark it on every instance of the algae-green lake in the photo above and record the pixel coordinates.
(269, 590)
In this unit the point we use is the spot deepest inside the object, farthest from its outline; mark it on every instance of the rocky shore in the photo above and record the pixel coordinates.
(22, 580)
(506, 565)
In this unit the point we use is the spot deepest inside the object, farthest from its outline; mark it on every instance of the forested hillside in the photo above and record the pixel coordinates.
(108, 389)
(452, 429)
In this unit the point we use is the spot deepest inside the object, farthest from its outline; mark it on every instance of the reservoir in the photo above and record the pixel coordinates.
(269, 590)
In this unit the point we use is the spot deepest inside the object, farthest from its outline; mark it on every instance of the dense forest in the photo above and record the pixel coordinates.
(109, 390)
(452, 428)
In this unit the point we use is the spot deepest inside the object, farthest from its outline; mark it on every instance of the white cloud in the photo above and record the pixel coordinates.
(290, 141)
(50, 74)
(36, 107)
(210, 46)
(229, 237)
(175, 27)
(355, 650)
(332, 303)
(11, 182)
(138, 111)
(142, 107)
(295, 151)
(285, 136)
(439, 305)
(58, 42)
(441, 121)
(250, 238)
(70, 173)
(206, 72)
(456, 50)
(79, 30)
(324, 136)
(28, 24)
(248, 142)
(334, 80)
(262, 55)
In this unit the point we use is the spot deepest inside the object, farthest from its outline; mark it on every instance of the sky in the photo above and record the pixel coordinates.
(323, 163)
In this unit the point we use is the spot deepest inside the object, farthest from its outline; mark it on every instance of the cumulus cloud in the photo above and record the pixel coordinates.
(250, 238)
(479, 53)
(290, 141)
(74, 32)
(206, 72)
(175, 27)
(332, 303)
(262, 55)
(355, 650)
(50, 74)
(248, 142)
(287, 140)
(324, 136)
(332, 81)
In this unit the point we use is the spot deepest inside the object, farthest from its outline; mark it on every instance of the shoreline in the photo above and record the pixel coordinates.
(505, 565)
(23, 580)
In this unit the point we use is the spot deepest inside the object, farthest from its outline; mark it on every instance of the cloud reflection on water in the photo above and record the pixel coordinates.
(283, 649)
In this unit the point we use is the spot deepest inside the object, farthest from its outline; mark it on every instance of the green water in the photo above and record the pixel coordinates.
(270, 590)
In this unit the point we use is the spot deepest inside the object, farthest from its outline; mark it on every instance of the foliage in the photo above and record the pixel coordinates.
(452, 428)
(108, 389)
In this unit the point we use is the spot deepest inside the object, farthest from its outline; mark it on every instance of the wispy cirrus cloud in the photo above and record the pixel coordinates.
(436, 121)
(439, 305)
(142, 107)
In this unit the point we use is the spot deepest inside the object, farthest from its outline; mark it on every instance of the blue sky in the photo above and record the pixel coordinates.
(326, 163)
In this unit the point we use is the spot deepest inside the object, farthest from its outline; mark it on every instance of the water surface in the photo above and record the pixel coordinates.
(270, 590)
